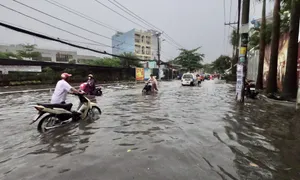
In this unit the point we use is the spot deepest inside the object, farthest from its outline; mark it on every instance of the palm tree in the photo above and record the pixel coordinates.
(290, 84)
(272, 77)
(262, 46)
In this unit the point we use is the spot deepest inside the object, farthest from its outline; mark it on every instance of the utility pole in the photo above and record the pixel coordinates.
(158, 53)
(241, 72)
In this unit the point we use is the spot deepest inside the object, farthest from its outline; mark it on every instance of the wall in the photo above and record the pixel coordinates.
(51, 73)
(281, 68)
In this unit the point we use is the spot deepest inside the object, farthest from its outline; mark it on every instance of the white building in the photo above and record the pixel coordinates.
(50, 54)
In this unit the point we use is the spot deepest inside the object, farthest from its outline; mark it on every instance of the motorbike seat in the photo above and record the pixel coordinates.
(63, 106)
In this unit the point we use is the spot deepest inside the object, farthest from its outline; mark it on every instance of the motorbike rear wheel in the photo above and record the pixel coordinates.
(48, 122)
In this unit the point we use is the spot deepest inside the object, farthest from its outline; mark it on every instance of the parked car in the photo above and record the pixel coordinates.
(188, 79)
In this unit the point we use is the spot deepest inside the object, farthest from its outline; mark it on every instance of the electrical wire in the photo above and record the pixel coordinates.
(84, 16)
(128, 11)
(74, 25)
(76, 13)
(119, 13)
(52, 25)
(64, 42)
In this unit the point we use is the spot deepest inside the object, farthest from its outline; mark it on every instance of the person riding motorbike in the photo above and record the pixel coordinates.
(153, 81)
(91, 85)
(62, 89)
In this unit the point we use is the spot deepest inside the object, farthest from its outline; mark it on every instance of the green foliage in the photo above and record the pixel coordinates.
(208, 68)
(73, 61)
(234, 38)
(8, 55)
(221, 64)
(110, 62)
(190, 59)
(130, 60)
(28, 52)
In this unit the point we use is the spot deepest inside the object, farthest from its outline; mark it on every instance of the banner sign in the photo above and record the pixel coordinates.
(139, 74)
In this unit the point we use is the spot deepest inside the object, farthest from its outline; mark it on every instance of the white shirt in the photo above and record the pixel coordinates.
(61, 91)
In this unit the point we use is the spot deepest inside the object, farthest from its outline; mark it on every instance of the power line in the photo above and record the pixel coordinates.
(64, 42)
(128, 11)
(62, 20)
(119, 13)
(94, 44)
(52, 25)
(84, 16)
(71, 24)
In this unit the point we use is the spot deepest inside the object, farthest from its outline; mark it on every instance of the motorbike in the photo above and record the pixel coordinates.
(250, 91)
(147, 87)
(96, 92)
(52, 116)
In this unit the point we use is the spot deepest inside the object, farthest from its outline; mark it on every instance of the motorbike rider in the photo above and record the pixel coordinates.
(61, 90)
(153, 81)
(91, 85)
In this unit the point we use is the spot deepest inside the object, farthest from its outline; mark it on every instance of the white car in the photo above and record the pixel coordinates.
(188, 79)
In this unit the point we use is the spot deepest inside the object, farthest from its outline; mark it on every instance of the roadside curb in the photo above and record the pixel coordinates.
(273, 101)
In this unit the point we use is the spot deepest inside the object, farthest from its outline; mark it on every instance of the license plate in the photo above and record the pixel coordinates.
(252, 89)
(187, 79)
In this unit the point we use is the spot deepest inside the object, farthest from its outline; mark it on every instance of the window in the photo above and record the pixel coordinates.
(143, 50)
(187, 76)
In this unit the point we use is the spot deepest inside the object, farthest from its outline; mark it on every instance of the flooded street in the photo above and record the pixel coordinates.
(179, 133)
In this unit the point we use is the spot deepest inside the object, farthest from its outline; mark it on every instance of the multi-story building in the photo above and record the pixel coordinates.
(141, 43)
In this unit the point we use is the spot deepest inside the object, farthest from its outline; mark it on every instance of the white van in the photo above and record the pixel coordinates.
(188, 79)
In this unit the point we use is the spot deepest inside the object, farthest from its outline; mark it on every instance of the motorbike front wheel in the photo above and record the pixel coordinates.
(47, 123)
(94, 113)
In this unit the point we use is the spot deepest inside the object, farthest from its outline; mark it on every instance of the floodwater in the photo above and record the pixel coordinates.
(179, 133)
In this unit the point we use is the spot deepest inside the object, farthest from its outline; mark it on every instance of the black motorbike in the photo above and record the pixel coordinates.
(250, 90)
(98, 91)
(147, 87)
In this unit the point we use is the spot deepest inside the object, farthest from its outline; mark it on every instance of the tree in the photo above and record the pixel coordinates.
(290, 84)
(130, 60)
(107, 61)
(28, 52)
(208, 68)
(8, 55)
(272, 76)
(262, 47)
(221, 64)
(190, 59)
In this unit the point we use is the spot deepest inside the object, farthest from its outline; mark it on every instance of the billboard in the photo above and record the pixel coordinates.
(139, 74)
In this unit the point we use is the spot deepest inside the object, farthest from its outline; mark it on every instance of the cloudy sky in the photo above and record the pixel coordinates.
(191, 23)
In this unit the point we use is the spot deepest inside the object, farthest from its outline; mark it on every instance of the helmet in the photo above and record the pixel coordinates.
(90, 75)
(65, 75)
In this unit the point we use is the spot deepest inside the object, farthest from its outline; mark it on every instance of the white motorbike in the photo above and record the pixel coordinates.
(56, 115)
